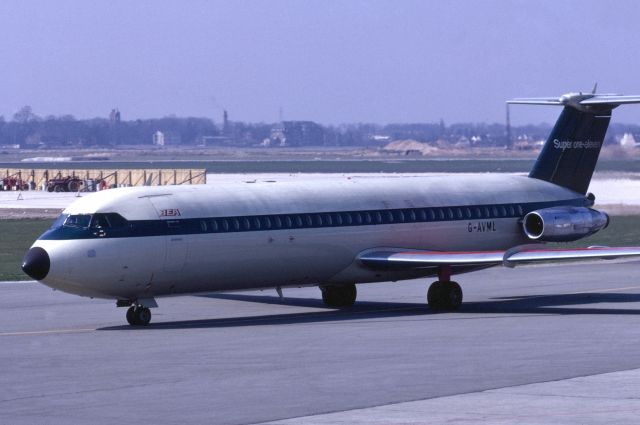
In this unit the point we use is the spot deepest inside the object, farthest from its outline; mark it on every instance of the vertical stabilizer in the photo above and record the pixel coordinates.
(571, 152)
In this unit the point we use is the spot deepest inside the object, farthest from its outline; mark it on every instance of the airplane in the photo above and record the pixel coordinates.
(136, 244)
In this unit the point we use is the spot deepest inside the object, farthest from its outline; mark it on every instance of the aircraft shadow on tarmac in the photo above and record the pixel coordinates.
(558, 304)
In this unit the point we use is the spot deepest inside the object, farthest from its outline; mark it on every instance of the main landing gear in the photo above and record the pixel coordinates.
(138, 315)
(339, 296)
(444, 294)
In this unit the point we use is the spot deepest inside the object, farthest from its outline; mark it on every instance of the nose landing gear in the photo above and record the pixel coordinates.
(138, 316)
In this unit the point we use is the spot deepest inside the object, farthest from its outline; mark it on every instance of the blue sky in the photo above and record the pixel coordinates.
(328, 61)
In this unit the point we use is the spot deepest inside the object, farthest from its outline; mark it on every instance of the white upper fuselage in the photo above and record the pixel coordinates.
(313, 233)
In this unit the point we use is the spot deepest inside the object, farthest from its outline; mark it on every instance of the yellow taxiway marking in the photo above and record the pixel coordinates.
(52, 331)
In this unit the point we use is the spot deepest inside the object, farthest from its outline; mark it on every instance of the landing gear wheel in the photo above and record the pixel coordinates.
(339, 296)
(138, 316)
(445, 296)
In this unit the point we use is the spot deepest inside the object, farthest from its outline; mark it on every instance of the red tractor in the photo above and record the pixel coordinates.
(64, 184)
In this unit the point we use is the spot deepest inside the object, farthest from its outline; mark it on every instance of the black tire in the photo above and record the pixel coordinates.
(131, 317)
(446, 296)
(435, 296)
(452, 296)
(50, 188)
(73, 186)
(339, 296)
(58, 188)
(143, 316)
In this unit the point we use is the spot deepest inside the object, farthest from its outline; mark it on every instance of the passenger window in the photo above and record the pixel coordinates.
(357, 218)
(203, 226)
(432, 214)
(409, 215)
(214, 225)
(317, 220)
(225, 225)
(520, 212)
(377, 217)
(440, 214)
(337, 219)
(246, 225)
(388, 216)
(494, 211)
(235, 223)
(487, 214)
(458, 213)
(512, 212)
(346, 219)
(398, 216)
(503, 211)
(298, 221)
(449, 213)
(287, 222)
(308, 221)
(467, 212)
(266, 222)
(420, 214)
(326, 218)
(366, 217)
(277, 223)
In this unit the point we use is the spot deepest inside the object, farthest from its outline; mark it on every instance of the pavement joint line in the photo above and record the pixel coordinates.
(51, 331)
(398, 404)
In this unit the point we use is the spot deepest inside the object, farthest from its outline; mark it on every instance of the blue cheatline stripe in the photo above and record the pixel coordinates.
(274, 222)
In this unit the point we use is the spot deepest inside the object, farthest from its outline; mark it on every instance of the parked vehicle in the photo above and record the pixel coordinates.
(64, 184)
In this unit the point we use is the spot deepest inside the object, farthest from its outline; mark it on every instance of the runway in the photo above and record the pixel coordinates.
(250, 357)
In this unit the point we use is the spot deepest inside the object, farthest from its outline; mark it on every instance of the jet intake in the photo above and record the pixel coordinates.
(563, 224)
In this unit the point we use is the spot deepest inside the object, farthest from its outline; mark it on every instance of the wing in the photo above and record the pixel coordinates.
(414, 259)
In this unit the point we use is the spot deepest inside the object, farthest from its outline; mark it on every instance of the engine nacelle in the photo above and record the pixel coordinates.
(563, 224)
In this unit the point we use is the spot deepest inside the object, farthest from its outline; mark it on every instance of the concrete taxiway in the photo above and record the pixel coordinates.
(543, 344)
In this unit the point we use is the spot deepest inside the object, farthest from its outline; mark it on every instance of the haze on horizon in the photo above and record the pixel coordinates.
(330, 62)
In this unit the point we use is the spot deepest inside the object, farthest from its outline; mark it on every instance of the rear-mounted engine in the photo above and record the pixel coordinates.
(563, 224)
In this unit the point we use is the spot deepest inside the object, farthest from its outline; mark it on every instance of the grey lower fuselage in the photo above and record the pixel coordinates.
(479, 212)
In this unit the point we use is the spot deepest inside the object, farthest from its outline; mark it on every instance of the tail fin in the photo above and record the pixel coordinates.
(571, 152)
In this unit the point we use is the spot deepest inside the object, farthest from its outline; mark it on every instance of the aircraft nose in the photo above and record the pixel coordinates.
(36, 263)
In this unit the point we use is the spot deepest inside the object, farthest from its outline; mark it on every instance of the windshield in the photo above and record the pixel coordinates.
(78, 220)
(59, 221)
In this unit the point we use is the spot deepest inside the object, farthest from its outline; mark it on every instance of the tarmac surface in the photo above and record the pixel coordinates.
(538, 344)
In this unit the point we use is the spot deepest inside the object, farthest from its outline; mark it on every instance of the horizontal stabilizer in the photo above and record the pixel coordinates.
(414, 259)
(580, 101)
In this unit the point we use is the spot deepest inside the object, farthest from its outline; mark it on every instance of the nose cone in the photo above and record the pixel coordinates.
(36, 263)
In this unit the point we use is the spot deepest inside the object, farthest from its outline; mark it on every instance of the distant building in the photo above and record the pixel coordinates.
(166, 138)
(225, 123)
(114, 116)
(297, 133)
(158, 138)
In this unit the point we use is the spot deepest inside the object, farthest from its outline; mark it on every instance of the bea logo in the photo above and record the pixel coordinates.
(170, 212)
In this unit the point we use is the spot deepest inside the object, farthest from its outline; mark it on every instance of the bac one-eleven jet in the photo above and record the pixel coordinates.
(135, 244)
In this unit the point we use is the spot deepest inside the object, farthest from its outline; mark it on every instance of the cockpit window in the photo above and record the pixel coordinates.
(59, 221)
(108, 221)
(78, 220)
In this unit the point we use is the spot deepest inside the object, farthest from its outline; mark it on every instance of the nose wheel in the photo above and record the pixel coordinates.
(138, 316)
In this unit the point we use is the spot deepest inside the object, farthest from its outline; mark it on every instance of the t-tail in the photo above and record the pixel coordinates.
(571, 152)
